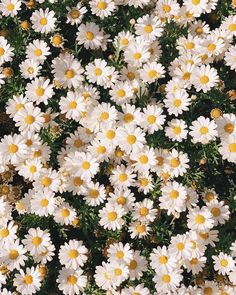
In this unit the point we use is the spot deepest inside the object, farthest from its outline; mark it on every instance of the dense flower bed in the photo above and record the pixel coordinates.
(118, 147)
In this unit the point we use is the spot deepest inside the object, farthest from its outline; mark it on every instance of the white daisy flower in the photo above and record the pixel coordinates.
(43, 21)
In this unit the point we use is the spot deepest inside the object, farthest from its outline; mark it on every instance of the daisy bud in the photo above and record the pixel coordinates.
(8, 72)
(232, 94)
(234, 3)
(216, 113)
(202, 162)
(75, 222)
(25, 25)
(43, 271)
(31, 4)
(57, 40)
(132, 21)
(4, 270)
(4, 33)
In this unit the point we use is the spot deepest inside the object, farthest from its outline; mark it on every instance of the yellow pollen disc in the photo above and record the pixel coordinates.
(43, 21)
(194, 261)
(131, 76)
(190, 45)
(174, 194)
(215, 212)
(36, 241)
(10, 6)
(93, 193)
(32, 169)
(186, 76)
(123, 177)
(71, 280)
(19, 106)
(203, 130)
(118, 272)
(72, 105)
(140, 228)
(174, 162)
(120, 254)
(211, 47)
(223, 262)
(204, 79)
(13, 148)
(37, 154)
(4, 233)
(65, 212)
(112, 216)
(57, 40)
(69, 74)
(131, 139)
(110, 134)
(104, 116)
(166, 279)
(200, 219)
(44, 203)
(137, 55)
(120, 93)
(89, 35)
(13, 254)
(209, 196)
(2, 51)
(163, 259)
(101, 5)
(39, 91)
(151, 119)
(28, 279)
(133, 264)
(195, 2)
(46, 181)
(166, 8)
(229, 128)
(203, 235)
(5, 190)
(98, 72)
(38, 52)
(124, 41)
(180, 246)
(208, 291)
(148, 29)
(121, 200)
(143, 211)
(128, 118)
(177, 102)
(232, 27)
(78, 181)
(73, 253)
(74, 13)
(101, 149)
(143, 159)
(30, 70)
(232, 147)
(152, 74)
(29, 142)
(85, 165)
(177, 130)
(29, 119)
(199, 30)
(143, 182)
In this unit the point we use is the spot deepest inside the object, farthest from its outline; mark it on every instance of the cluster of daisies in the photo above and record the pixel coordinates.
(107, 160)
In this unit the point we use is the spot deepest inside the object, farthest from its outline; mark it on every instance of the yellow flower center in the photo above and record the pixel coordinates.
(152, 74)
(110, 134)
(194, 261)
(13, 254)
(57, 40)
(186, 76)
(74, 13)
(101, 5)
(123, 177)
(166, 8)
(2, 51)
(112, 216)
(13, 148)
(85, 165)
(39, 91)
(204, 130)
(93, 193)
(200, 219)
(89, 35)
(44, 203)
(124, 41)
(175, 162)
(143, 211)
(190, 45)
(38, 52)
(204, 79)
(32, 169)
(223, 262)
(133, 264)
(101, 149)
(10, 6)
(215, 212)
(30, 70)
(43, 21)
(211, 47)
(120, 254)
(28, 279)
(131, 76)
(163, 259)
(19, 106)
(78, 181)
(121, 200)
(143, 159)
(29, 119)
(177, 130)
(232, 147)
(177, 102)
(118, 272)
(140, 228)
(46, 181)
(98, 72)
(69, 74)
(166, 279)
(73, 253)
(120, 93)
(180, 246)
(143, 182)
(229, 128)
(195, 2)
(104, 116)
(148, 29)
(137, 55)
(174, 194)
(131, 139)
(65, 212)
(4, 232)
(128, 118)
(232, 27)
(71, 280)
(208, 291)
(36, 241)
(72, 105)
